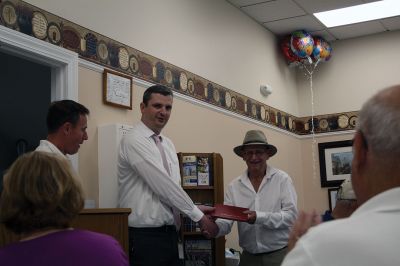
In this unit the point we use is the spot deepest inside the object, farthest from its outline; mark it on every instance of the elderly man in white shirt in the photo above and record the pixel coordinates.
(270, 195)
(371, 235)
(149, 183)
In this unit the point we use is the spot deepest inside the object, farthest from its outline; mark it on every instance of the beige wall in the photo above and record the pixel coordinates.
(314, 197)
(210, 38)
(359, 67)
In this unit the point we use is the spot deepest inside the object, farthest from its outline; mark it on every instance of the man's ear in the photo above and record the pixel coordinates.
(360, 150)
(142, 106)
(66, 128)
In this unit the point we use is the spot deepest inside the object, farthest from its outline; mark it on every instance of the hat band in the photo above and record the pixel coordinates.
(260, 142)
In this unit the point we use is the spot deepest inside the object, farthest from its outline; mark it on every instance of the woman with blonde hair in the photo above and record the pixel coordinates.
(41, 196)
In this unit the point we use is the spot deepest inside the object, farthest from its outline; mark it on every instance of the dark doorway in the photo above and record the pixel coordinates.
(25, 94)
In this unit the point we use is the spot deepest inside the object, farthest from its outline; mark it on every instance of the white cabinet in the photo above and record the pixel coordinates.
(109, 137)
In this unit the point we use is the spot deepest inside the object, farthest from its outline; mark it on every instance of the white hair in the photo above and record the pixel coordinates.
(379, 122)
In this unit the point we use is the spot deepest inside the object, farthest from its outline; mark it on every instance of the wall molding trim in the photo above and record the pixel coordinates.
(63, 64)
(142, 83)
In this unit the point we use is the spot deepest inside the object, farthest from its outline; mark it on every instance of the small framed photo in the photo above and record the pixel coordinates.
(332, 195)
(335, 162)
(117, 89)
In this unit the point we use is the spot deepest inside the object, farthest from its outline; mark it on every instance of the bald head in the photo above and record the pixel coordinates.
(379, 121)
(376, 146)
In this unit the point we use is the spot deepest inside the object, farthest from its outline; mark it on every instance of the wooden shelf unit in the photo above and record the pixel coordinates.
(212, 194)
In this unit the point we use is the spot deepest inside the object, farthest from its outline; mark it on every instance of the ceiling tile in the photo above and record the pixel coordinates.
(357, 30)
(275, 10)
(286, 26)
(285, 16)
(240, 3)
(313, 6)
(324, 34)
(391, 23)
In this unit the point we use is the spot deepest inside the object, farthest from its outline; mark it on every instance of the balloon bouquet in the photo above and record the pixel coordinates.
(305, 51)
(302, 49)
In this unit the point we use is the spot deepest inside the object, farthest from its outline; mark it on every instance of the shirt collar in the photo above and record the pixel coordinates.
(148, 133)
(53, 147)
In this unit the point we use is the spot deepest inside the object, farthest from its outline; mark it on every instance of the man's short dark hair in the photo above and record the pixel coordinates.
(163, 90)
(64, 111)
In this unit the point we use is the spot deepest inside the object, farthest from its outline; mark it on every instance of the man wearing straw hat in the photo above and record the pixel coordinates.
(271, 198)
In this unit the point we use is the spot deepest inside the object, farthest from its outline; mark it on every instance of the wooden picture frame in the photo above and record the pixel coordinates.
(332, 195)
(335, 162)
(117, 89)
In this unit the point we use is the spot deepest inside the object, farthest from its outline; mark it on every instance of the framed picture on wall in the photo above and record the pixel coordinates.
(332, 195)
(335, 162)
(117, 89)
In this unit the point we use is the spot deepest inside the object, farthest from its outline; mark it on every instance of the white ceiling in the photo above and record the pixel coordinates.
(282, 17)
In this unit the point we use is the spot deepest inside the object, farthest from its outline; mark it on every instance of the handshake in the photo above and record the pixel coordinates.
(207, 223)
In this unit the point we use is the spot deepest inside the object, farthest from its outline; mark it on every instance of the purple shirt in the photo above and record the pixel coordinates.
(65, 248)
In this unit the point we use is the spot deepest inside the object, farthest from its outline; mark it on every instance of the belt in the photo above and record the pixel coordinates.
(269, 252)
(161, 229)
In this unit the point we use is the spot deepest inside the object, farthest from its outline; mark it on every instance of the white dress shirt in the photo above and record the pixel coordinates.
(275, 204)
(145, 185)
(47, 146)
(370, 236)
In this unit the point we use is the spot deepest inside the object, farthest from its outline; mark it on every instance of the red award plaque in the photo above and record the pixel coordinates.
(230, 212)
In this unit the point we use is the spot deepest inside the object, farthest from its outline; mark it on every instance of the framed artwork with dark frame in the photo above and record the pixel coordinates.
(335, 162)
(117, 89)
(332, 195)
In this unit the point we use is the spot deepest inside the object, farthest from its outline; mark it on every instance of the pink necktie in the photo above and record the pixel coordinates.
(175, 212)
(157, 139)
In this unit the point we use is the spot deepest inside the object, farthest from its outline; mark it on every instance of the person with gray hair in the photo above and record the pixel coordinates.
(370, 236)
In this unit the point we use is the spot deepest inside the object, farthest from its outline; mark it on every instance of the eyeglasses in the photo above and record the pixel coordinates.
(257, 153)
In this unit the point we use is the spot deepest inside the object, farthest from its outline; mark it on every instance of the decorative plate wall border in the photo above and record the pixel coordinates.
(97, 48)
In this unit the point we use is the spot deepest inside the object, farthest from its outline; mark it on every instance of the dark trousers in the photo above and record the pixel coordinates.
(273, 258)
(153, 246)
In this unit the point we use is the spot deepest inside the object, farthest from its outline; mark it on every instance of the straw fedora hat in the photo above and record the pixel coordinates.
(255, 137)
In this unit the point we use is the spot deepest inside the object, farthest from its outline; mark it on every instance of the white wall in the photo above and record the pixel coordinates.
(210, 38)
(358, 68)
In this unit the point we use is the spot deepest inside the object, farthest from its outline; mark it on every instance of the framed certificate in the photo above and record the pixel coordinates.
(117, 89)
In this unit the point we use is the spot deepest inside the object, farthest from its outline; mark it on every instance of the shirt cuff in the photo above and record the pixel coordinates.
(196, 214)
(260, 217)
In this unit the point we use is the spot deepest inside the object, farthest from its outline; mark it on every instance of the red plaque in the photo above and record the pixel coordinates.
(230, 212)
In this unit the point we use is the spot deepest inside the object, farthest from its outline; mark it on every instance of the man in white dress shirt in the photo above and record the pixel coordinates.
(66, 128)
(149, 183)
(371, 235)
(270, 195)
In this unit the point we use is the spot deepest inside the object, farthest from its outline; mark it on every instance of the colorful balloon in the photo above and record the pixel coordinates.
(291, 58)
(322, 49)
(301, 43)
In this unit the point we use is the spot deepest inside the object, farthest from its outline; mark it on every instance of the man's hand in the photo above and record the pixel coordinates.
(251, 216)
(208, 226)
(205, 209)
(301, 226)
